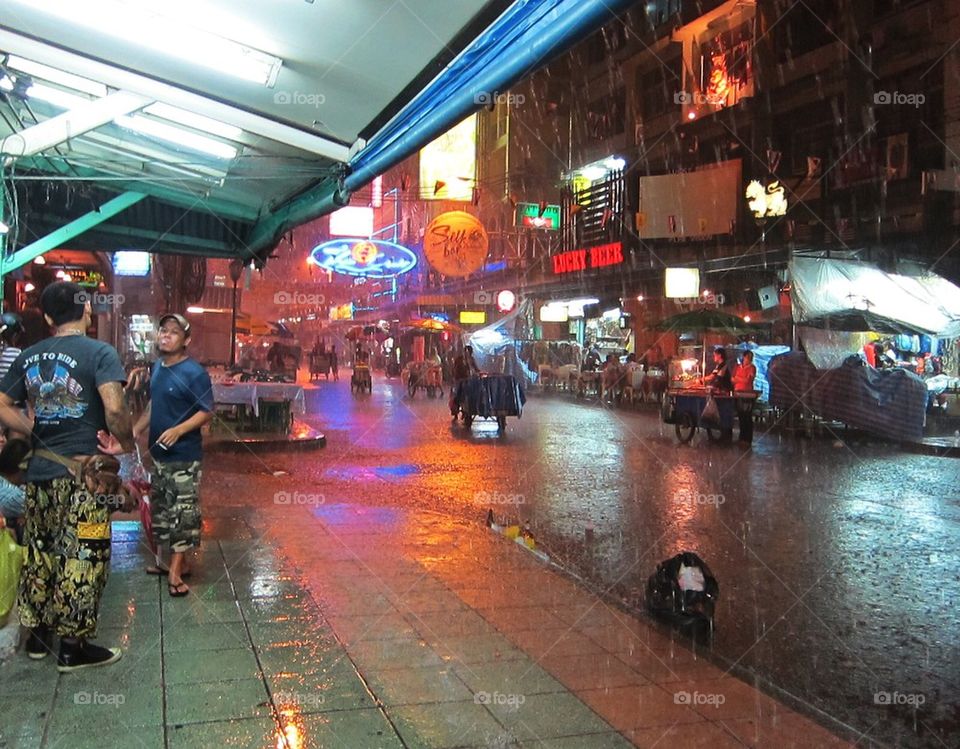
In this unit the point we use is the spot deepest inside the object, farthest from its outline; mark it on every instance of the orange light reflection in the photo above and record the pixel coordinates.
(292, 736)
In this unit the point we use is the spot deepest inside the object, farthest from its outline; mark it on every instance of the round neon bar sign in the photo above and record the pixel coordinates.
(372, 258)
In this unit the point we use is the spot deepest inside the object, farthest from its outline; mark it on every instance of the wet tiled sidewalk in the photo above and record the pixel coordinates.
(349, 626)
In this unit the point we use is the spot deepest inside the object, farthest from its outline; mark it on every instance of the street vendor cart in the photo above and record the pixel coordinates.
(490, 396)
(684, 409)
(360, 380)
(320, 364)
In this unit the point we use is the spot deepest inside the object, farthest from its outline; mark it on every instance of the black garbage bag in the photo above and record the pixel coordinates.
(684, 592)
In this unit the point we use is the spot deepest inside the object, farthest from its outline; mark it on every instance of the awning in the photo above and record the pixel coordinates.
(859, 297)
(92, 108)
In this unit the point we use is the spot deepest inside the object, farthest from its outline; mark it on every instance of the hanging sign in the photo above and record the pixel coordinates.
(456, 244)
(473, 317)
(530, 216)
(372, 258)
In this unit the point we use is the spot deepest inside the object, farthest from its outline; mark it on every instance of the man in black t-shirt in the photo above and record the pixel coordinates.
(74, 386)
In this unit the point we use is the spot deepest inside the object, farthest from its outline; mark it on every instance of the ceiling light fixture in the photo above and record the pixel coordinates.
(55, 96)
(168, 36)
(178, 136)
(53, 75)
(196, 121)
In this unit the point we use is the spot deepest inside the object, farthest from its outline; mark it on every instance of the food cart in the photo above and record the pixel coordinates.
(490, 396)
(683, 407)
(320, 364)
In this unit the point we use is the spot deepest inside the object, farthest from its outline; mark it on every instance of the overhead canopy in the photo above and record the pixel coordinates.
(302, 103)
(859, 297)
(707, 321)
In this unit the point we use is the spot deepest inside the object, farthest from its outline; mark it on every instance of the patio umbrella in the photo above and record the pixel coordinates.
(707, 321)
(431, 325)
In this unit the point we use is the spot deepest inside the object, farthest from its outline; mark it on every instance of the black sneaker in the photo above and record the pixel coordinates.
(39, 643)
(83, 654)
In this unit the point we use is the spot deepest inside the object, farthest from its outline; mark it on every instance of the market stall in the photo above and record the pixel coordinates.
(907, 321)
(261, 406)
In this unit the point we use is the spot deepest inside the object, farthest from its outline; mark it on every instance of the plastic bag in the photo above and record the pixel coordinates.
(690, 578)
(146, 522)
(711, 412)
(667, 415)
(11, 562)
(137, 477)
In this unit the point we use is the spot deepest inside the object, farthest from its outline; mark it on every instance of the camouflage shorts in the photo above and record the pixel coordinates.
(175, 505)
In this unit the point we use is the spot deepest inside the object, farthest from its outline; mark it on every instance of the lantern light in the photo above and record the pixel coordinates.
(506, 300)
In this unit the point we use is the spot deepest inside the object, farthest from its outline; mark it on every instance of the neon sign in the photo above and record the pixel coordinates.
(595, 257)
(533, 216)
(371, 258)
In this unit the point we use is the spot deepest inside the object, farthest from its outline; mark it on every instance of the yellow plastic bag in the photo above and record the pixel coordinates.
(11, 562)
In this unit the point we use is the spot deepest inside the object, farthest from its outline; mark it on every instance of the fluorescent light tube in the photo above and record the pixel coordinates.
(196, 121)
(55, 96)
(170, 36)
(179, 136)
(53, 75)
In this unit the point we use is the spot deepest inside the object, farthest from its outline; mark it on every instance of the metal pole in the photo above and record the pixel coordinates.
(233, 327)
(3, 235)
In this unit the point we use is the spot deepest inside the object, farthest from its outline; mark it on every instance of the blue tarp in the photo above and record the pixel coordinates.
(762, 356)
(525, 37)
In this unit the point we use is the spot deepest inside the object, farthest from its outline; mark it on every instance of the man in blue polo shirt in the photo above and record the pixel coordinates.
(181, 402)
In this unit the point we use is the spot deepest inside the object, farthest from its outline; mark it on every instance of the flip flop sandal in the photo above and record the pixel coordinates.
(162, 571)
(175, 592)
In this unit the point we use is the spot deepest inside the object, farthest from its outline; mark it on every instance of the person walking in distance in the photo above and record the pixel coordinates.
(11, 329)
(181, 402)
(74, 386)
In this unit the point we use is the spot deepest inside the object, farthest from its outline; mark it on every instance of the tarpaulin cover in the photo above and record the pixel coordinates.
(492, 395)
(495, 346)
(889, 403)
(829, 348)
(855, 296)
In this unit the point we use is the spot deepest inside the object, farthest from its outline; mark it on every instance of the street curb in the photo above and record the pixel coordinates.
(305, 438)
(936, 450)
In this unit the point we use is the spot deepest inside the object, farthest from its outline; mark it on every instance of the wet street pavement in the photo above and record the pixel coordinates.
(837, 561)
(342, 625)
(352, 597)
